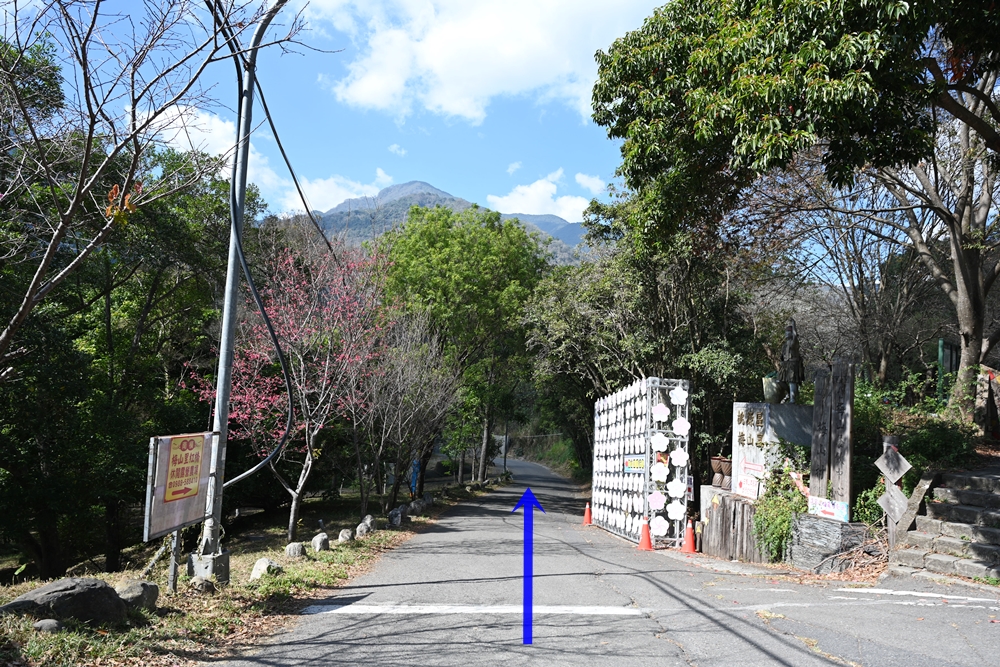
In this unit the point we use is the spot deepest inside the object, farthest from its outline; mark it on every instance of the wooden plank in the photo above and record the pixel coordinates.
(819, 471)
(842, 417)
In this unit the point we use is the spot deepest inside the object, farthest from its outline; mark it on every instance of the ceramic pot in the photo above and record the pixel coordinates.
(727, 483)
(727, 467)
(716, 464)
(717, 479)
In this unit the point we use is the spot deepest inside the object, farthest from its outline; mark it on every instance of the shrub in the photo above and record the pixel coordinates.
(775, 513)
(866, 508)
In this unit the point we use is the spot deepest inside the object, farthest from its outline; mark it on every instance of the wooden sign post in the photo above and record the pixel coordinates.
(819, 471)
(832, 445)
(841, 420)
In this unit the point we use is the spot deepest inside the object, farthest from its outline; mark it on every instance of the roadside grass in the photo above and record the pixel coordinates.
(188, 627)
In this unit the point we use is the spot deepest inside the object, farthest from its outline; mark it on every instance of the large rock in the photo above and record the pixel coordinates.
(295, 550)
(396, 518)
(138, 594)
(84, 599)
(321, 542)
(48, 625)
(369, 520)
(428, 499)
(202, 585)
(416, 508)
(264, 566)
(362, 530)
(345, 535)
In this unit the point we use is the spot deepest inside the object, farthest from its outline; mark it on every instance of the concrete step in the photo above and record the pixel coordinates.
(926, 524)
(986, 553)
(973, 481)
(965, 531)
(950, 546)
(919, 539)
(983, 499)
(915, 560)
(908, 557)
(967, 514)
(941, 563)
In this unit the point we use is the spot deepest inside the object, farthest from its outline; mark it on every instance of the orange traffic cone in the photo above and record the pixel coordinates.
(688, 547)
(587, 521)
(645, 543)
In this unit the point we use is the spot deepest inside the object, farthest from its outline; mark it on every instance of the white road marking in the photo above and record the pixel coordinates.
(425, 609)
(918, 594)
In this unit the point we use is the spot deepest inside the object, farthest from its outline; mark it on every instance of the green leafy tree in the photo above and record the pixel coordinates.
(708, 95)
(472, 274)
(72, 165)
(668, 308)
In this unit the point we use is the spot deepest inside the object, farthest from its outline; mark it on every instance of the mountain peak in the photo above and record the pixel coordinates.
(390, 194)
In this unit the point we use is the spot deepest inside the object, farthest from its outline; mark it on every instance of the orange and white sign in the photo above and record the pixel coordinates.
(184, 467)
(177, 482)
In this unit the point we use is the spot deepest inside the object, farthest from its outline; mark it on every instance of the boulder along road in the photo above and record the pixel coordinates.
(452, 596)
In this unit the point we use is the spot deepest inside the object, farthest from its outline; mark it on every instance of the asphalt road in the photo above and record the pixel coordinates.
(452, 596)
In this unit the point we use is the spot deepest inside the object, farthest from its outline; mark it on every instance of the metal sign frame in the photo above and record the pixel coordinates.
(636, 431)
(183, 461)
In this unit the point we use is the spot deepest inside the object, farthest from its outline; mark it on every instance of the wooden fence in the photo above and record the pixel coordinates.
(729, 531)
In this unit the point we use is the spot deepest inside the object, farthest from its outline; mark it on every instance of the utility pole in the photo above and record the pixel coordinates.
(210, 559)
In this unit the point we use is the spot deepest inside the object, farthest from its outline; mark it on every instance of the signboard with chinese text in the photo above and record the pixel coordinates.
(831, 509)
(751, 448)
(177, 484)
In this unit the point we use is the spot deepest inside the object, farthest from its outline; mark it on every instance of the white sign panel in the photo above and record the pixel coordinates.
(752, 449)
(177, 485)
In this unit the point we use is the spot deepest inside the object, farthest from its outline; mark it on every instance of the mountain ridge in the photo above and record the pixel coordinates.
(362, 218)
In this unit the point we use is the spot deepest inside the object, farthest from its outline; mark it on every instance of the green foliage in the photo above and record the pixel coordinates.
(471, 274)
(644, 308)
(774, 513)
(866, 508)
(925, 439)
(707, 94)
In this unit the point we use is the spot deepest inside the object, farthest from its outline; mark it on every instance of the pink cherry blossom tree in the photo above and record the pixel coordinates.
(324, 307)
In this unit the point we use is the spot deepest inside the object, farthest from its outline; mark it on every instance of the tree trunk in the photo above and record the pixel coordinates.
(113, 538)
(396, 483)
(484, 454)
(362, 487)
(296, 494)
(293, 516)
(46, 550)
(461, 467)
(424, 462)
(971, 317)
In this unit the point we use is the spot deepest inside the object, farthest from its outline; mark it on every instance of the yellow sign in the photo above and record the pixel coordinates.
(184, 467)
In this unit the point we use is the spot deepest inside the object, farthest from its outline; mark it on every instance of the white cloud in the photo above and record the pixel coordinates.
(512, 167)
(398, 150)
(592, 183)
(540, 198)
(325, 193)
(453, 57)
(188, 128)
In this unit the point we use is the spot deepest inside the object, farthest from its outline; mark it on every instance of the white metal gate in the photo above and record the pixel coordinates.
(641, 436)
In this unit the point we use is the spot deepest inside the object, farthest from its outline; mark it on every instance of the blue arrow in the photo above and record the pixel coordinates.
(528, 501)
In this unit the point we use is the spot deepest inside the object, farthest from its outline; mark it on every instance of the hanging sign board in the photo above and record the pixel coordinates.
(177, 482)
(635, 463)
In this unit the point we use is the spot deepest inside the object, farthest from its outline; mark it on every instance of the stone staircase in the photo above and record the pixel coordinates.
(960, 532)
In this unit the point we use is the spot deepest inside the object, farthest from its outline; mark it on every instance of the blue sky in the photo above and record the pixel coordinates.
(486, 100)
